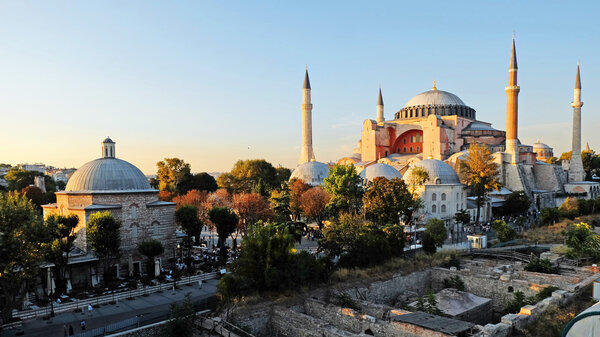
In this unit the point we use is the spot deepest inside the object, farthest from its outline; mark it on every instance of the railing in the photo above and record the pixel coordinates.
(135, 321)
(512, 255)
(78, 304)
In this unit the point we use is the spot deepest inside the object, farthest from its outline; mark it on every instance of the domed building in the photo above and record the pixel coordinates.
(312, 173)
(543, 152)
(433, 124)
(114, 185)
(379, 170)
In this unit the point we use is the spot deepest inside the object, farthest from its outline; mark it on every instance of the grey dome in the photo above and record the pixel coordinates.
(312, 173)
(434, 97)
(541, 146)
(439, 172)
(380, 170)
(108, 174)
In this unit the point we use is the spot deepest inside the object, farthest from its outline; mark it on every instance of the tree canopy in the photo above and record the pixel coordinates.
(419, 175)
(344, 186)
(199, 181)
(171, 171)
(187, 218)
(104, 235)
(253, 175)
(226, 222)
(389, 202)
(61, 236)
(479, 172)
(516, 204)
(314, 203)
(436, 229)
(150, 248)
(21, 247)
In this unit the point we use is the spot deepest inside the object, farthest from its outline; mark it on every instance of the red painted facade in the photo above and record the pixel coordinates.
(409, 142)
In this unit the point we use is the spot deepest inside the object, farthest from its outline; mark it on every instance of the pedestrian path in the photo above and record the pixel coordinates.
(150, 308)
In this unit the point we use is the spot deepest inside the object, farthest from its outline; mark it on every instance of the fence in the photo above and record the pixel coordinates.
(135, 321)
(115, 296)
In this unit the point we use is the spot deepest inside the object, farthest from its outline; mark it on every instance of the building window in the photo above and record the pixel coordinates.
(404, 149)
(155, 233)
(433, 209)
(443, 196)
(404, 140)
(134, 232)
(433, 197)
(133, 212)
(457, 196)
(457, 208)
(411, 149)
(443, 208)
(418, 149)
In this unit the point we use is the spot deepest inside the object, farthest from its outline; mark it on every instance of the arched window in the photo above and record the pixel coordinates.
(457, 197)
(405, 149)
(443, 208)
(438, 181)
(404, 140)
(155, 230)
(433, 197)
(418, 149)
(134, 232)
(443, 196)
(457, 207)
(433, 209)
(411, 149)
(133, 212)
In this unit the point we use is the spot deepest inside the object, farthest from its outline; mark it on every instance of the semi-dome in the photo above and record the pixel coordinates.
(379, 170)
(312, 173)
(439, 172)
(108, 174)
(434, 101)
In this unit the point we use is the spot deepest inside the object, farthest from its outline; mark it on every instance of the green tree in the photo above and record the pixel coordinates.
(21, 248)
(479, 173)
(419, 175)
(226, 222)
(344, 186)
(61, 237)
(280, 204)
(504, 231)
(282, 175)
(389, 202)
(18, 179)
(462, 217)
(515, 305)
(396, 238)
(582, 241)
(587, 158)
(104, 235)
(247, 176)
(569, 208)
(549, 215)
(200, 181)
(186, 217)
(171, 171)
(516, 204)
(437, 230)
(182, 321)
(150, 248)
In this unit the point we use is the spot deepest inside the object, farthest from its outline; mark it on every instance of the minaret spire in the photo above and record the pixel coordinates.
(306, 153)
(512, 107)
(576, 172)
(380, 117)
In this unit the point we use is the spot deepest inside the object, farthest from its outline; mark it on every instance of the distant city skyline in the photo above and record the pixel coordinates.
(212, 82)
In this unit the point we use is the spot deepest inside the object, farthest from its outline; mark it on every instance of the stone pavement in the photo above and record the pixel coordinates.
(152, 308)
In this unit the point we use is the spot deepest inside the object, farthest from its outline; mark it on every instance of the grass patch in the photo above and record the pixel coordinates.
(393, 266)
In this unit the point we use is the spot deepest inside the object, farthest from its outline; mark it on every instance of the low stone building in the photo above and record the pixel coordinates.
(114, 185)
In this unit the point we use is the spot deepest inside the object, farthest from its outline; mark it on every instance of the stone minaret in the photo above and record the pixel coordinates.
(108, 148)
(512, 107)
(307, 150)
(380, 118)
(576, 172)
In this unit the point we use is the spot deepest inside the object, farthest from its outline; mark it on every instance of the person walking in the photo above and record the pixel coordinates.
(65, 330)
(83, 324)
(90, 308)
(71, 332)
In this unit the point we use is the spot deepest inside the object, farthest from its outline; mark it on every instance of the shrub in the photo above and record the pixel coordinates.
(541, 266)
(504, 231)
(454, 261)
(518, 301)
(454, 282)
(549, 215)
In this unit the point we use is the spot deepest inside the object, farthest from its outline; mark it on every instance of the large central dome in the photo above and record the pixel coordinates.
(434, 97)
(108, 174)
(435, 102)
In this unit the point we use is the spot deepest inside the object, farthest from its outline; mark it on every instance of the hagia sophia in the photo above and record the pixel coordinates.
(434, 131)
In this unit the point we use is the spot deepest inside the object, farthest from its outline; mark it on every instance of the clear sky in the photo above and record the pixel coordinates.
(217, 81)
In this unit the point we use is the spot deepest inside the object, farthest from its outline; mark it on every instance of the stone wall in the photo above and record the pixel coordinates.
(289, 323)
(386, 292)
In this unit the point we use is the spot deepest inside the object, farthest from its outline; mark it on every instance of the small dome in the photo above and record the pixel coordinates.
(439, 172)
(379, 170)
(108, 140)
(312, 173)
(540, 145)
(108, 175)
(434, 97)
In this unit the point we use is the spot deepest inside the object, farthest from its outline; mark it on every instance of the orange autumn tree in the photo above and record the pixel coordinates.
(313, 203)
(193, 197)
(479, 172)
(297, 188)
(250, 208)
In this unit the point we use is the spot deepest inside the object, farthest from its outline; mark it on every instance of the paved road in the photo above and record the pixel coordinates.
(153, 308)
